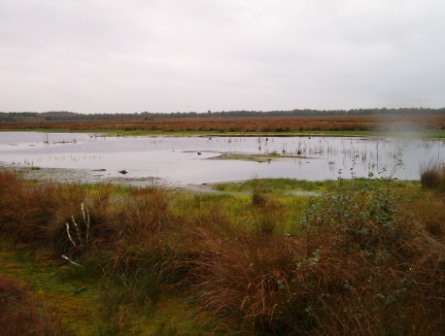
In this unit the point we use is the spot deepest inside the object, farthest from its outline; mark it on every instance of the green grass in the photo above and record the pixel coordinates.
(96, 305)
(261, 158)
(49, 282)
(285, 185)
(276, 186)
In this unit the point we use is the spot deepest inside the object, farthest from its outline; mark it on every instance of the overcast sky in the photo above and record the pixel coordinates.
(97, 56)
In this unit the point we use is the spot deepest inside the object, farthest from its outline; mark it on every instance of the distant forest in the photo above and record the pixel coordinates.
(60, 116)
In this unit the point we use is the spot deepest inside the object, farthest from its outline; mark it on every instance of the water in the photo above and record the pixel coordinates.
(193, 160)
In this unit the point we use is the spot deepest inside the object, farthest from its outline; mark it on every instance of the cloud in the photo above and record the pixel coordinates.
(179, 55)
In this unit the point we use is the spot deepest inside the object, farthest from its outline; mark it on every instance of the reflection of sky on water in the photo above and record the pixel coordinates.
(178, 160)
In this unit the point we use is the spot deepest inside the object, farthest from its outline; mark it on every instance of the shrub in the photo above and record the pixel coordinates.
(392, 264)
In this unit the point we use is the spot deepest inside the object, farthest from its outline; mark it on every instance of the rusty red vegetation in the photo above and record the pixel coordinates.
(250, 124)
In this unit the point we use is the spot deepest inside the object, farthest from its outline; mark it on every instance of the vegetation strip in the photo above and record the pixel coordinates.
(364, 258)
(420, 123)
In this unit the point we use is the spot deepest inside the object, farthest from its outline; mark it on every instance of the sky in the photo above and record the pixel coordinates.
(125, 56)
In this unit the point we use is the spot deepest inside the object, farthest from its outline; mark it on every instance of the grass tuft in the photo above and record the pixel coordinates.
(432, 176)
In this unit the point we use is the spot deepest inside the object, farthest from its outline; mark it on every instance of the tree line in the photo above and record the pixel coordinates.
(57, 116)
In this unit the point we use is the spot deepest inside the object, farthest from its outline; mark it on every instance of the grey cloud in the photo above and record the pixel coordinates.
(178, 55)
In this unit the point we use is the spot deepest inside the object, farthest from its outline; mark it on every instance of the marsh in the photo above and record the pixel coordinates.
(197, 160)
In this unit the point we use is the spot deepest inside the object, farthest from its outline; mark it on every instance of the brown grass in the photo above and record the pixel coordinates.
(366, 261)
(252, 124)
(432, 176)
(20, 315)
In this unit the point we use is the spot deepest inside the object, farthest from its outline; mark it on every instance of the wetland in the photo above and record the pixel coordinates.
(140, 160)
(290, 248)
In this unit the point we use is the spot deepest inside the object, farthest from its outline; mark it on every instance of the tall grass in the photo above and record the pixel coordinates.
(365, 260)
(432, 175)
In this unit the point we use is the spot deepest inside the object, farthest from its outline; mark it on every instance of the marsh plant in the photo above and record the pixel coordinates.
(432, 175)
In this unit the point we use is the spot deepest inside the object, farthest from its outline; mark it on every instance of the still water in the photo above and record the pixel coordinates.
(196, 160)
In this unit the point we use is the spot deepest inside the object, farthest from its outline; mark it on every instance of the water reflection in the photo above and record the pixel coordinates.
(191, 159)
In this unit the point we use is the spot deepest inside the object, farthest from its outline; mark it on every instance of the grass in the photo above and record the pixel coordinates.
(432, 176)
(284, 185)
(56, 299)
(275, 186)
(21, 313)
(437, 134)
(46, 286)
(261, 158)
(363, 257)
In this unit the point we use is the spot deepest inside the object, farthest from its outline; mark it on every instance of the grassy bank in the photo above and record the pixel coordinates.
(364, 258)
(279, 186)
